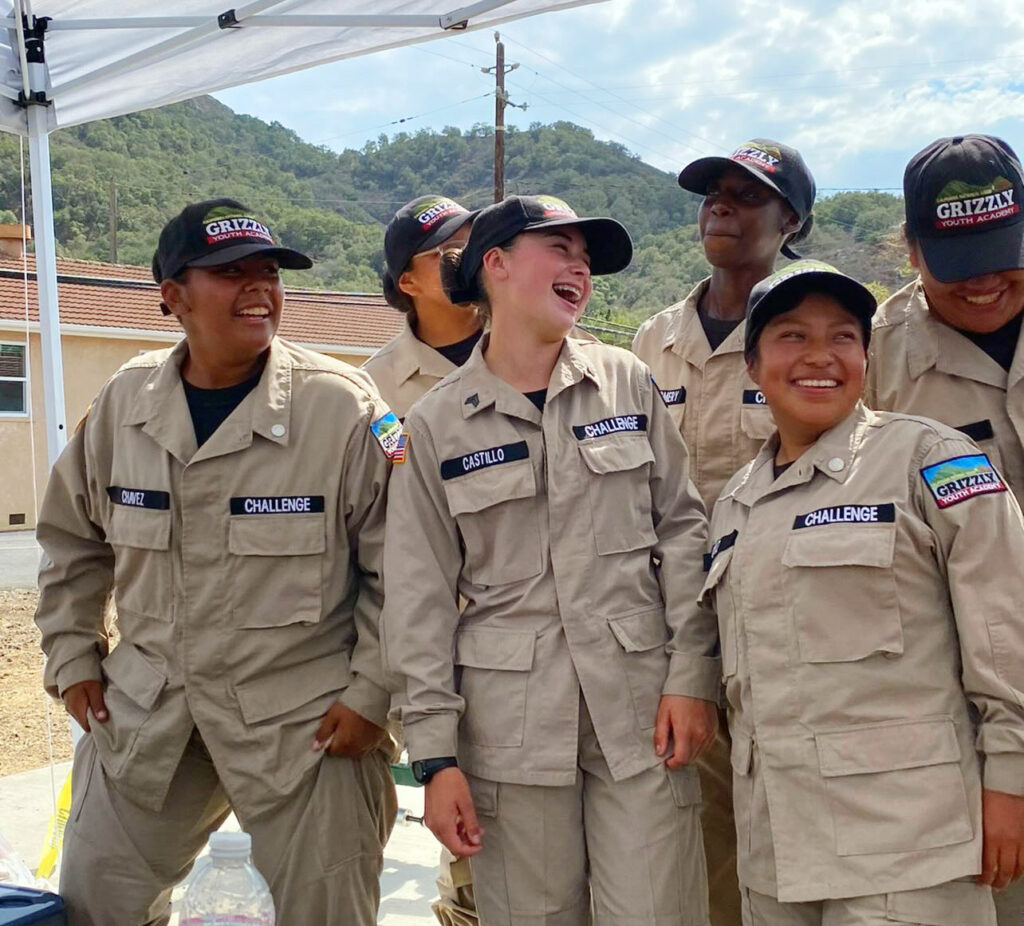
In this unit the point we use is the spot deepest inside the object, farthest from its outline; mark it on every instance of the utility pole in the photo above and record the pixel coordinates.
(113, 221)
(501, 100)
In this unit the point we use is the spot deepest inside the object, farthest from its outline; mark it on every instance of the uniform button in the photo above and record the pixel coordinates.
(278, 430)
(836, 464)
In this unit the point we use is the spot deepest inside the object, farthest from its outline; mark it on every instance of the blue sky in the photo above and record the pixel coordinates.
(858, 87)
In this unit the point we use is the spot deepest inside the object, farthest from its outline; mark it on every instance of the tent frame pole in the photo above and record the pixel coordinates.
(46, 280)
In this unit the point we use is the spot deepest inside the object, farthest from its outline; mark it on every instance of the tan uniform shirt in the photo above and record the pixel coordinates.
(405, 368)
(871, 633)
(246, 574)
(718, 408)
(549, 526)
(921, 366)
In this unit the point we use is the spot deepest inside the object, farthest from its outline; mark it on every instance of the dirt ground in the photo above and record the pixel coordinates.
(27, 714)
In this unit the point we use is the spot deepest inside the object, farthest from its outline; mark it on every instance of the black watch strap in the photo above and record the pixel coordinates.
(425, 769)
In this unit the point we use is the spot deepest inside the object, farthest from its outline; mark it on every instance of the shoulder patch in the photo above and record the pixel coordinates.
(960, 478)
(388, 431)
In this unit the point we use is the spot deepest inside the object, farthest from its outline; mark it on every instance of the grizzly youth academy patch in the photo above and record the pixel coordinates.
(960, 478)
(388, 431)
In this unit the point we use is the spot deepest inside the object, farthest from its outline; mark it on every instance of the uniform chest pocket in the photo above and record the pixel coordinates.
(717, 593)
(756, 420)
(498, 515)
(277, 569)
(842, 592)
(141, 540)
(618, 476)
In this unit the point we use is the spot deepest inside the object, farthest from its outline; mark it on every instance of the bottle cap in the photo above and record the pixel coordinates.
(230, 845)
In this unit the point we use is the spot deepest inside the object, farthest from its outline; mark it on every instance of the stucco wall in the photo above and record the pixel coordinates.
(88, 363)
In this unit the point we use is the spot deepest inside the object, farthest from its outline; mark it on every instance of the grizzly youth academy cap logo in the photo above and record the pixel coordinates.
(428, 214)
(965, 205)
(556, 208)
(224, 224)
(763, 157)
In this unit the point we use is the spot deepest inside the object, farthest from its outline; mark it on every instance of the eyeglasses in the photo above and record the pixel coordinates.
(439, 251)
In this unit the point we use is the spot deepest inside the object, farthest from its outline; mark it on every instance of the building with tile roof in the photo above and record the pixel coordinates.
(110, 313)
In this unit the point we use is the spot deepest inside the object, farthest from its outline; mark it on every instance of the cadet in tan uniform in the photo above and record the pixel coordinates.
(871, 639)
(756, 202)
(947, 345)
(438, 336)
(231, 492)
(546, 484)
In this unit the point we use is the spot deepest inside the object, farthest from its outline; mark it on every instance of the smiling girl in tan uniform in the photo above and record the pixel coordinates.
(871, 639)
(562, 705)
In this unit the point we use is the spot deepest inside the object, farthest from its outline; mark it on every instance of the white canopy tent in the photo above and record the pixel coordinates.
(70, 61)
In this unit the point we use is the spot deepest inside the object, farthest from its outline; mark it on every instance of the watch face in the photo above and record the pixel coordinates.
(419, 772)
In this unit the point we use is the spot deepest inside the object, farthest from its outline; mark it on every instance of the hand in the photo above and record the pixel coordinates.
(83, 697)
(344, 732)
(1002, 855)
(449, 813)
(689, 724)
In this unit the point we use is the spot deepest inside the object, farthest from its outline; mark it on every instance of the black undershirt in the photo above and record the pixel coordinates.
(458, 353)
(209, 407)
(780, 468)
(538, 397)
(716, 329)
(1000, 344)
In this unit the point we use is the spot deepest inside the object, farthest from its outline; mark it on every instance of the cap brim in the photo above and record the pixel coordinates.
(961, 257)
(286, 257)
(608, 243)
(697, 176)
(853, 296)
(445, 230)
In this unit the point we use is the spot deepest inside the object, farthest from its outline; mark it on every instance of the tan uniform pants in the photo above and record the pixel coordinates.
(957, 903)
(719, 825)
(321, 851)
(1010, 905)
(629, 853)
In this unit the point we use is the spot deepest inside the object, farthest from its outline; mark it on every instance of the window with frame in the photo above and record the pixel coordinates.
(13, 380)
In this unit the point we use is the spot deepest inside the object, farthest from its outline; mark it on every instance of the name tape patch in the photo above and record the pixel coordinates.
(481, 459)
(388, 431)
(277, 504)
(754, 397)
(978, 430)
(719, 546)
(960, 478)
(140, 498)
(848, 514)
(674, 396)
(610, 426)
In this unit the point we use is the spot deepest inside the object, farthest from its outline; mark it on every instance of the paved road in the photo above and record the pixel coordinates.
(19, 559)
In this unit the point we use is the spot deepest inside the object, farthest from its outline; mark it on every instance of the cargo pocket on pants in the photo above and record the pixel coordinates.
(895, 787)
(955, 903)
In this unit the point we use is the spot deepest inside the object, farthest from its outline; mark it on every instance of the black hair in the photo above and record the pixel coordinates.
(396, 298)
(451, 261)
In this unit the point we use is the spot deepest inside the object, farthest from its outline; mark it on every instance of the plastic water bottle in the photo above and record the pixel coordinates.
(229, 891)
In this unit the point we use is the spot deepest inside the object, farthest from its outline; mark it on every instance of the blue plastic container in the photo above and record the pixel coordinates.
(21, 906)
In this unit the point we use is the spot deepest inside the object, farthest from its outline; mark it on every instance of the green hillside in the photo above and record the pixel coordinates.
(334, 206)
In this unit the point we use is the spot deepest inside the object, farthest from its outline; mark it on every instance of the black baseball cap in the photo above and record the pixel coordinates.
(421, 224)
(608, 243)
(778, 166)
(963, 199)
(215, 232)
(783, 290)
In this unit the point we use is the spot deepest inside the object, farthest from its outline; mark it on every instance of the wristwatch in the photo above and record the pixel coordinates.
(425, 769)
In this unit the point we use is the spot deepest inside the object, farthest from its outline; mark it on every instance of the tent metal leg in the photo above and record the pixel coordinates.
(46, 276)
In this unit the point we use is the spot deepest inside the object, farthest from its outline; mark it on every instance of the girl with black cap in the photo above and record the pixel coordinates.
(562, 706)
(870, 637)
(756, 202)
